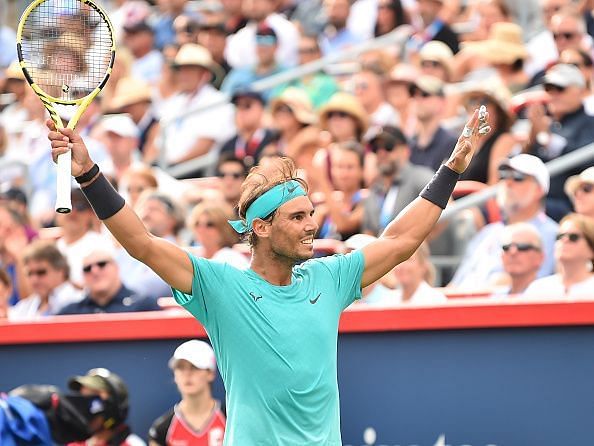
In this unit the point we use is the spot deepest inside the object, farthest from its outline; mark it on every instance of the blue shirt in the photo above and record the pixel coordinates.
(276, 346)
(124, 301)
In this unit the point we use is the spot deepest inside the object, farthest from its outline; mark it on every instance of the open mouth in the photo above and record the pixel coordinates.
(308, 241)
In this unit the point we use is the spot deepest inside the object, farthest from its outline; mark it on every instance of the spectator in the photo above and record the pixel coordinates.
(79, 236)
(16, 199)
(569, 30)
(574, 252)
(212, 35)
(121, 138)
(48, 273)
(198, 135)
(500, 143)
(319, 86)
(431, 143)
(232, 171)
(292, 115)
(398, 94)
(398, 181)
(435, 59)
(163, 26)
(15, 114)
(521, 255)
(252, 136)
(341, 212)
(266, 64)
(433, 27)
(241, 46)
(137, 179)
(523, 184)
(133, 97)
(105, 292)
(198, 418)
(583, 61)
(580, 188)
(13, 240)
(336, 35)
(390, 15)
(186, 29)
(368, 88)
(139, 39)
(344, 118)
(568, 128)
(215, 238)
(111, 388)
(5, 292)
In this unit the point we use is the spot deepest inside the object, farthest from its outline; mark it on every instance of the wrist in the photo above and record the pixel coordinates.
(88, 175)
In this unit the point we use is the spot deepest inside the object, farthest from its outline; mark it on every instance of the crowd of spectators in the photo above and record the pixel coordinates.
(185, 115)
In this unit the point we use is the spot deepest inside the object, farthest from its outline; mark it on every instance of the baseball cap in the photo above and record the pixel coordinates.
(529, 165)
(573, 182)
(246, 93)
(564, 75)
(198, 353)
(94, 382)
(120, 124)
(388, 137)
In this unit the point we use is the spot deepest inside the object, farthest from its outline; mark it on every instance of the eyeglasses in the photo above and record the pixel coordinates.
(566, 36)
(234, 175)
(585, 188)
(509, 174)
(571, 236)
(520, 247)
(206, 224)
(550, 88)
(37, 272)
(338, 114)
(101, 264)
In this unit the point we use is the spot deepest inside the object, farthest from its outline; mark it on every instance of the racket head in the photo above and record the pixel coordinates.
(66, 49)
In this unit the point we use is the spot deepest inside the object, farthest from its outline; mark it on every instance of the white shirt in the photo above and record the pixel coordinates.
(28, 308)
(425, 294)
(216, 123)
(240, 51)
(552, 287)
(77, 251)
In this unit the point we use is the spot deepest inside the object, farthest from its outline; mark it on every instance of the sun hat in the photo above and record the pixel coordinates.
(347, 103)
(130, 91)
(574, 181)
(299, 103)
(504, 45)
(192, 54)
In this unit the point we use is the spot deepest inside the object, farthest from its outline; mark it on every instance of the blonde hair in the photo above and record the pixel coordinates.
(219, 214)
(585, 225)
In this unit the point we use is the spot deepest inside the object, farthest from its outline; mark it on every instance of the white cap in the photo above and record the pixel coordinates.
(120, 124)
(359, 241)
(530, 165)
(564, 75)
(197, 353)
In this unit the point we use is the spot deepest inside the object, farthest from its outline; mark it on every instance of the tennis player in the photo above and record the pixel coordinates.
(274, 326)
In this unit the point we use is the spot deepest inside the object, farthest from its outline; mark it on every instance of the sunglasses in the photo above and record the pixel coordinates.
(509, 174)
(37, 272)
(206, 224)
(101, 264)
(338, 114)
(550, 88)
(283, 108)
(585, 188)
(310, 50)
(520, 247)
(430, 64)
(418, 93)
(566, 36)
(234, 175)
(571, 236)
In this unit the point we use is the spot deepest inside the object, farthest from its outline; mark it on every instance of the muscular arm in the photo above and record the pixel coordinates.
(406, 232)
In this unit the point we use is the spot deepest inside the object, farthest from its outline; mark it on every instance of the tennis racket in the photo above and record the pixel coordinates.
(66, 49)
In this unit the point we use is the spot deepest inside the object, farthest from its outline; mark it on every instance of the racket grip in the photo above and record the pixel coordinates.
(63, 186)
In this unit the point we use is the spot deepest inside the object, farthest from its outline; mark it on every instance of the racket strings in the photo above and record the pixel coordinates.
(66, 47)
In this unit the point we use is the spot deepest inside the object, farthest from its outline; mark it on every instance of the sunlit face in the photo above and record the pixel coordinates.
(563, 100)
(232, 175)
(342, 126)
(43, 278)
(137, 184)
(190, 380)
(346, 171)
(101, 276)
(411, 272)
(206, 232)
(571, 245)
(189, 78)
(583, 199)
(566, 33)
(517, 192)
(521, 253)
(293, 230)
(398, 94)
(156, 216)
(368, 89)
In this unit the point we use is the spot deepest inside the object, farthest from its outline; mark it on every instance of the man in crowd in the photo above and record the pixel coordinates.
(232, 171)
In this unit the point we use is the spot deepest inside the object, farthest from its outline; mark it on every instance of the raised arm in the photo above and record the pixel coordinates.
(406, 232)
(169, 261)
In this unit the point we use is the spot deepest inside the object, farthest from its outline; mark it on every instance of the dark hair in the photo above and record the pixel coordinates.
(400, 16)
(231, 158)
(47, 251)
(5, 278)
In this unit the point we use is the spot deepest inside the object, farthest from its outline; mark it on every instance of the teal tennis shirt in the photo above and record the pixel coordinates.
(276, 346)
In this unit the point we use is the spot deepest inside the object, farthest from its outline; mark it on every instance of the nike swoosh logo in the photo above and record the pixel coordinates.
(291, 189)
(256, 298)
(313, 301)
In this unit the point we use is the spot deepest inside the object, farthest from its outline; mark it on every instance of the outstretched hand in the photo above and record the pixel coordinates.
(63, 140)
(467, 143)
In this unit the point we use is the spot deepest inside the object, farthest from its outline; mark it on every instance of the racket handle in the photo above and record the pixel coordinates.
(63, 186)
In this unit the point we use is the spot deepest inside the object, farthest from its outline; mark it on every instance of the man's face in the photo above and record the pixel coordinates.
(552, 7)
(232, 176)
(566, 33)
(190, 380)
(120, 147)
(190, 78)
(308, 50)
(43, 277)
(337, 12)
(248, 113)
(389, 162)
(101, 277)
(368, 89)
(156, 216)
(427, 105)
(266, 52)
(563, 100)
(214, 41)
(293, 230)
(428, 10)
(584, 199)
(517, 192)
(521, 253)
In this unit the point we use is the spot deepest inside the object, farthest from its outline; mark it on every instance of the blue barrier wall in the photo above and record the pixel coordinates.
(478, 387)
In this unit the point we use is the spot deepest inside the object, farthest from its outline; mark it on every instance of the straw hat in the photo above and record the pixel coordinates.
(574, 181)
(504, 45)
(492, 87)
(130, 91)
(192, 54)
(346, 103)
(299, 103)
(404, 73)
(14, 72)
(437, 51)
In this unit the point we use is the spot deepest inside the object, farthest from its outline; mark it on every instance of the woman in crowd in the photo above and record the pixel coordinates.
(574, 252)
(390, 15)
(213, 235)
(344, 118)
(136, 180)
